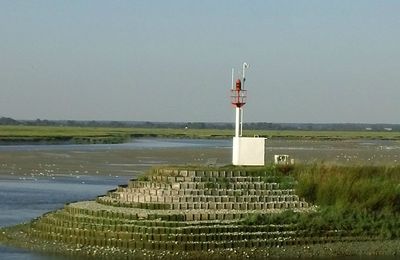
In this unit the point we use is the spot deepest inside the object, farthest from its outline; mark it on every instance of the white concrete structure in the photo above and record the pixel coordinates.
(248, 151)
(245, 150)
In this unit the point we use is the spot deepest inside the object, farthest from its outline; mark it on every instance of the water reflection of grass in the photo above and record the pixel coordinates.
(118, 135)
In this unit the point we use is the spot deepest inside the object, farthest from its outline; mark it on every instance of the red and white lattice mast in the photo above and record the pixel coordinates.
(238, 99)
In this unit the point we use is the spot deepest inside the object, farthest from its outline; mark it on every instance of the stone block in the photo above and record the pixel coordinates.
(183, 173)
(220, 216)
(200, 174)
(229, 216)
(189, 217)
(229, 206)
(197, 246)
(212, 205)
(141, 198)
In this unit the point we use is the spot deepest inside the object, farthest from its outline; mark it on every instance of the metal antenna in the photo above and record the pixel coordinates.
(244, 67)
(233, 72)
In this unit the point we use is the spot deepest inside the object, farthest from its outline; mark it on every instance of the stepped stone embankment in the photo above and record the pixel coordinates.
(184, 212)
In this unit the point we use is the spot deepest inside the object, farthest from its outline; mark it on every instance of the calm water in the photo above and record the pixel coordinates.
(151, 143)
(23, 200)
(35, 179)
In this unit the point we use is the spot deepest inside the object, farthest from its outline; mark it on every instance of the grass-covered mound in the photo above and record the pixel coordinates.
(231, 212)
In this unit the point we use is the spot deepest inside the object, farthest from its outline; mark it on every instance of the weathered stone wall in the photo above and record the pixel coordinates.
(179, 209)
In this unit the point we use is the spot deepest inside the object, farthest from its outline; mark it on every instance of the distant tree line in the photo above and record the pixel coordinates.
(205, 125)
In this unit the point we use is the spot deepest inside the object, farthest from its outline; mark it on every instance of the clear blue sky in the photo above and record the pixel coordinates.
(311, 61)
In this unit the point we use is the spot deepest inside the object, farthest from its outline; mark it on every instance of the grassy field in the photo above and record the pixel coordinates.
(15, 134)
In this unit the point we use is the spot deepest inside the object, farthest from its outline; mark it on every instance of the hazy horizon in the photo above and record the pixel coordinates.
(170, 61)
(206, 122)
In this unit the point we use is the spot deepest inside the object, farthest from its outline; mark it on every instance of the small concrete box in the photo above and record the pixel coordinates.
(248, 151)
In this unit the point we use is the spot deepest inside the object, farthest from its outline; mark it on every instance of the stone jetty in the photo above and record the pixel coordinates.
(178, 211)
(197, 213)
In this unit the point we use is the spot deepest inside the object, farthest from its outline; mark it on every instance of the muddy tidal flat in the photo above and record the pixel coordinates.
(130, 159)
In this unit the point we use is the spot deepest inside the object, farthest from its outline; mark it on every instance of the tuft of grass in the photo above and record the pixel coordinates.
(372, 189)
(354, 200)
(384, 225)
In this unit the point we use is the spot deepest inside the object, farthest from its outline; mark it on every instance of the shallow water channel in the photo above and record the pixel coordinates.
(35, 179)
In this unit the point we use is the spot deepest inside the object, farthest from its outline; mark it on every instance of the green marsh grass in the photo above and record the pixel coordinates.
(117, 135)
(363, 188)
(357, 200)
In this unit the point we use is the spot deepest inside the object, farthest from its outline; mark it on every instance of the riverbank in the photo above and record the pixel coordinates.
(98, 135)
